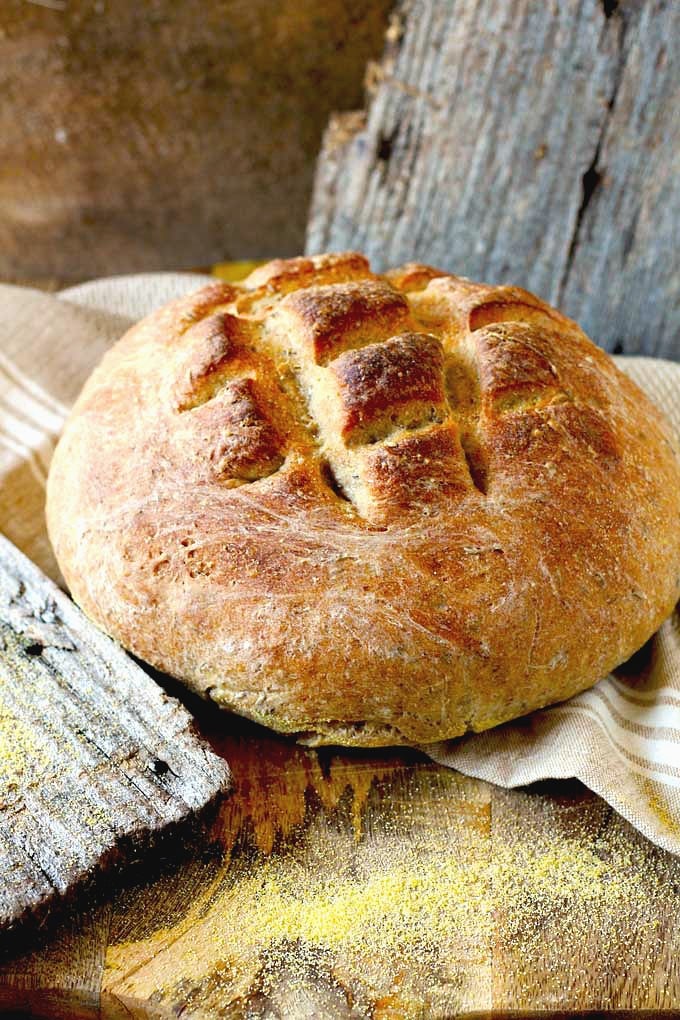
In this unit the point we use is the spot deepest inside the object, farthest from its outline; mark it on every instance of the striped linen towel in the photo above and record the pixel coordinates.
(621, 738)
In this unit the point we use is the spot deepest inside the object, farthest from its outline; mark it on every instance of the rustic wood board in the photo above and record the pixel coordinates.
(529, 143)
(95, 759)
(373, 885)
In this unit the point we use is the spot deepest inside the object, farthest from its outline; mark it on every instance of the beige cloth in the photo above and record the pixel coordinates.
(621, 738)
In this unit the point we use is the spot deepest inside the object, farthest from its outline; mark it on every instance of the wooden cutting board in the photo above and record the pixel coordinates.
(372, 885)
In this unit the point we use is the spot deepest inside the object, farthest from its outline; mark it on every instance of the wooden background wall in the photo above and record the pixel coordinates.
(163, 135)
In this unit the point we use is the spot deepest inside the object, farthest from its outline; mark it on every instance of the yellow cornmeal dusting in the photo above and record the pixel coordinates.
(352, 914)
(425, 894)
(20, 754)
(440, 912)
(403, 910)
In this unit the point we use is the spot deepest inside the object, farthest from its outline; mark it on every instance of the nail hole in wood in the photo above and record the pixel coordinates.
(385, 146)
(34, 649)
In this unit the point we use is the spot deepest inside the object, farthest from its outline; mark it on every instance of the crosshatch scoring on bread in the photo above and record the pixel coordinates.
(368, 508)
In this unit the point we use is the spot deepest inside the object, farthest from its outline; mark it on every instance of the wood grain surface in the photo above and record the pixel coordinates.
(528, 143)
(372, 885)
(95, 759)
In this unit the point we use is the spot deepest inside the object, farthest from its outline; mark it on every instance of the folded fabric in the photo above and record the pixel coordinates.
(621, 738)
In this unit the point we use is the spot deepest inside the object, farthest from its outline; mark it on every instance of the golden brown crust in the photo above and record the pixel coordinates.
(368, 509)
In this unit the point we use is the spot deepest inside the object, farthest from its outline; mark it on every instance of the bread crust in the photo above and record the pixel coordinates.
(368, 509)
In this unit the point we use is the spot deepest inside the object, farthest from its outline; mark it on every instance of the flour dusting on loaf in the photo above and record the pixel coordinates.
(368, 509)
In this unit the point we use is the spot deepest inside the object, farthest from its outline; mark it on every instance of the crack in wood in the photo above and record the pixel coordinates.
(594, 175)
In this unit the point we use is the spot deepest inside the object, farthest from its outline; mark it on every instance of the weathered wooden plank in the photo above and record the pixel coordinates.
(94, 757)
(519, 142)
(623, 278)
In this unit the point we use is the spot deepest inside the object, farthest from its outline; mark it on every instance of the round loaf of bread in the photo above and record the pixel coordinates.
(368, 509)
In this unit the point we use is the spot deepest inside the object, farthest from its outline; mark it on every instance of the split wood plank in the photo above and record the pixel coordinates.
(525, 143)
(95, 759)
